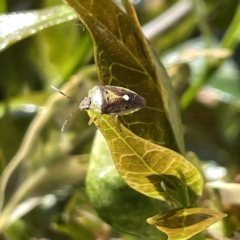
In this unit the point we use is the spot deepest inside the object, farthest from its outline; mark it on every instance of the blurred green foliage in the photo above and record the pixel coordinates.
(42, 189)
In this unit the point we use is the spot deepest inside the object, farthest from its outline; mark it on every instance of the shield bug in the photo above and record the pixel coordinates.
(109, 100)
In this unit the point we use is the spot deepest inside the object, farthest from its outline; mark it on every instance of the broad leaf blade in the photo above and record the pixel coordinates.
(19, 25)
(123, 208)
(124, 59)
(185, 223)
(163, 82)
(144, 165)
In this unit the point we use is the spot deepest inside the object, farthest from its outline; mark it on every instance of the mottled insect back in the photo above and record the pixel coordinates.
(109, 100)
(114, 100)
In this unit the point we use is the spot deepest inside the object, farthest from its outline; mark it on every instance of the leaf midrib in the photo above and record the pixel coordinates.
(117, 40)
(134, 152)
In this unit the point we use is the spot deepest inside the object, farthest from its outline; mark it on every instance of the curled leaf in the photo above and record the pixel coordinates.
(185, 223)
(145, 165)
(125, 209)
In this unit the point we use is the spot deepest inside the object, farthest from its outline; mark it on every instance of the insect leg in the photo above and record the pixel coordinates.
(93, 117)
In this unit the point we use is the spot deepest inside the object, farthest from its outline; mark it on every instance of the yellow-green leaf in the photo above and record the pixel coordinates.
(124, 59)
(181, 224)
(145, 165)
(125, 209)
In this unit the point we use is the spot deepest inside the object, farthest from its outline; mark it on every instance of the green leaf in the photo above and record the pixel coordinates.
(123, 208)
(53, 56)
(145, 165)
(124, 59)
(184, 223)
(30, 22)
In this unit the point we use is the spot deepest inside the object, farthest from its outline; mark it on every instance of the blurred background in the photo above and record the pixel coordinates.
(42, 43)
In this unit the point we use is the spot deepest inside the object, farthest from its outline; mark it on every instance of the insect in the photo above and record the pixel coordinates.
(109, 100)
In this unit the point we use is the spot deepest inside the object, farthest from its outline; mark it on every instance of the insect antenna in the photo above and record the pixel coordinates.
(57, 90)
(66, 120)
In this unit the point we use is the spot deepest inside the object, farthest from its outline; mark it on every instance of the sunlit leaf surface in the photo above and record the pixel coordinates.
(123, 208)
(184, 223)
(144, 165)
(124, 59)
(19, 25)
